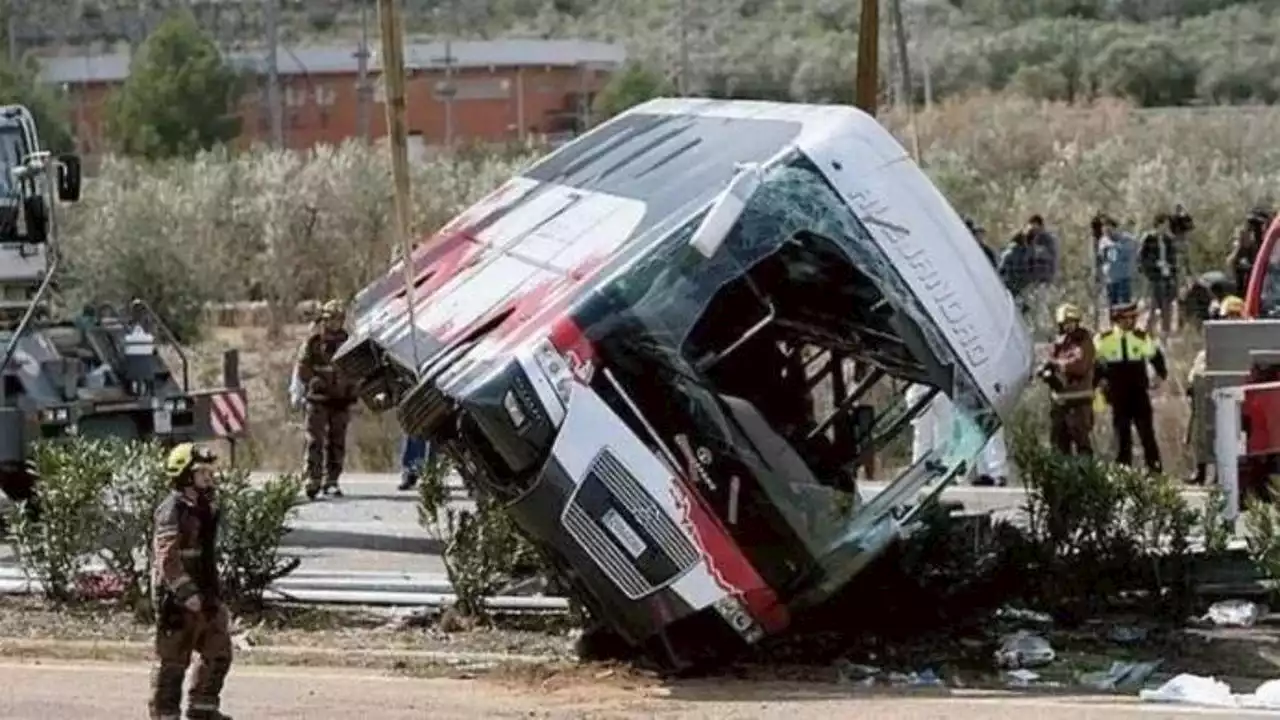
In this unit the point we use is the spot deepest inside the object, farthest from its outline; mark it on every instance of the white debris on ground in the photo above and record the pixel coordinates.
(1023, 615)
(1120, 676)
(1189, 689)
(1021, 678)
(1024, 649)
(1234, 613)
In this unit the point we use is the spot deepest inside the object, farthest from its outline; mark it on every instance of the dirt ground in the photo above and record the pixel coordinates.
(40, 691)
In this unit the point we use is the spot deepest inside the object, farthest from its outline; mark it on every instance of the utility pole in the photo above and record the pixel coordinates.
(900, 43)
(398, 142)
(868, 72)
(11, 29)
(682, 81)
(448, 74)
(449, 92)
(925, 66)
(364, 90)
(274, 105)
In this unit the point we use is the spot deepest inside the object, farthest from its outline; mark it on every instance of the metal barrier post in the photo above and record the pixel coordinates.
(1228, 446)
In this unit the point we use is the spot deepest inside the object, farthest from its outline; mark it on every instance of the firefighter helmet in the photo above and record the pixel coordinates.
(184, 457)
(331, 309)
(1067, 312)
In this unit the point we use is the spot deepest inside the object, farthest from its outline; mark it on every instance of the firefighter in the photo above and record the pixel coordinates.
(1069, 374)
(1231, 308)
(190, 616)
(1123, 353)
(329, 398)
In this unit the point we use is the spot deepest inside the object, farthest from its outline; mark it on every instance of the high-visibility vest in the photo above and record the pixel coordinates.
(1118, 345)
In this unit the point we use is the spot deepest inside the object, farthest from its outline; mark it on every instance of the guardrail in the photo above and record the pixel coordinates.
(353, 588)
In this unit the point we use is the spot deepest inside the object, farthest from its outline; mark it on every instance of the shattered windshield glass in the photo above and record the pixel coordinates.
(719, 354)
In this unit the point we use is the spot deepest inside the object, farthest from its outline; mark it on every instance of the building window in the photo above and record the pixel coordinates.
(475, 89)
(294, 97)
(325, 95)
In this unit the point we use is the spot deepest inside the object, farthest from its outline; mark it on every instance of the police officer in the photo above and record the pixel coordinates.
(1123, 353)
(190, 616)
(329, 398)
(1069, 374)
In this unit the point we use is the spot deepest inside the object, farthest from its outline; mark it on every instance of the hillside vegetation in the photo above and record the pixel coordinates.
(1155, 52)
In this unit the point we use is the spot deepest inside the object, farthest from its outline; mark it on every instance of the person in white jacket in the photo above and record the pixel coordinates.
(930, 426)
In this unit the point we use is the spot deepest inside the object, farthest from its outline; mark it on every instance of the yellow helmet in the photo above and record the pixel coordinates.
(331, 309)
(1232, 306)
(1067, 312)
(184, 457)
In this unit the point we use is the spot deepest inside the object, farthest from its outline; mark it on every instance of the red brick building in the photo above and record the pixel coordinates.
(503, 90)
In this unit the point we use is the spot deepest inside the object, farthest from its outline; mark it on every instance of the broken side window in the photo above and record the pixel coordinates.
(718, 353)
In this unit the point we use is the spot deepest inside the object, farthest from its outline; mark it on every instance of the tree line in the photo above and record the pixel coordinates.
(1154, 53)
(181, 96)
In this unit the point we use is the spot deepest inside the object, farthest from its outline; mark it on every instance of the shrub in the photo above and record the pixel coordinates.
(1262, 536)
(97, 501)
(484, 551)
(1098, 532)
(254, 523)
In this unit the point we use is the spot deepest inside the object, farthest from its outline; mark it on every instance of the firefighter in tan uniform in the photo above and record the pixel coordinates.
(329, 398)
(190, 616)
(1069, 374)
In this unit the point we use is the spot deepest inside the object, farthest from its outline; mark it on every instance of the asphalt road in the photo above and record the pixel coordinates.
(106, 690)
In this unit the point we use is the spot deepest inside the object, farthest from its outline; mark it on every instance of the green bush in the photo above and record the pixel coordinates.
(97, 501)
(1262, 537)
(254, 523)
(1098, 532)
(484, 549)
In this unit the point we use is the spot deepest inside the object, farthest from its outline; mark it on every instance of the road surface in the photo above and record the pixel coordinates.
(58, 690)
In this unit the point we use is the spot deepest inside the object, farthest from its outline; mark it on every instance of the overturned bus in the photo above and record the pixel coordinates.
(640, 346)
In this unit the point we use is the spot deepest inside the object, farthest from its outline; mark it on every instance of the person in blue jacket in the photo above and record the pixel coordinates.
(413, 453)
